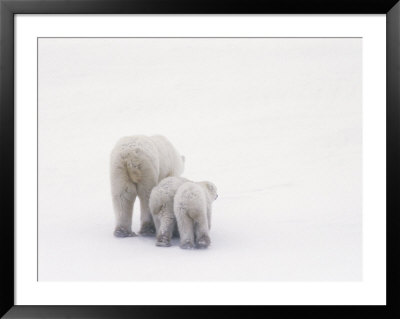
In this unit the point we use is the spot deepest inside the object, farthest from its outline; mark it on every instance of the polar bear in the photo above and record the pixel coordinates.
(162, 208)
(138, 163)
(192, 209)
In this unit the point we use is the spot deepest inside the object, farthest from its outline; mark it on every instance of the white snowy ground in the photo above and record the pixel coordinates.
(274, 123)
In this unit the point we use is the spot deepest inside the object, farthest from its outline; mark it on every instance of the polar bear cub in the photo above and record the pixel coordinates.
(162, 208)
(138, 163)
(192, 209)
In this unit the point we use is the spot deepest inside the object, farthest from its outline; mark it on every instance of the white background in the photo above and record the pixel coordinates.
(284, 147)
(274, 123)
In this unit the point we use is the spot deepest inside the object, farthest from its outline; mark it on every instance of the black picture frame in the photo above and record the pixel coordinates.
(8, 8)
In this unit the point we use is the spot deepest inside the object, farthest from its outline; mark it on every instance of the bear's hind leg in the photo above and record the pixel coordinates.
(147, 227)
(201, 231)
(185, 227)
(123, 197)
(167, 223)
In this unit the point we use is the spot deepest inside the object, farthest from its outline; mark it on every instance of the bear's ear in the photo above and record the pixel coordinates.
(183, 159)
(211, 187)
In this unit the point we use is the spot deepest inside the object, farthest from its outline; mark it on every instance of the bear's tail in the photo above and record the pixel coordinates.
(134, 171)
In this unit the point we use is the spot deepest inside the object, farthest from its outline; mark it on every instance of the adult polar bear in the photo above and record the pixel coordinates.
(138, 163)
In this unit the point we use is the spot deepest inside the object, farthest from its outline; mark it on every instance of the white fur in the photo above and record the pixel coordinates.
(192, 209)
(138, 163)
(162, 208)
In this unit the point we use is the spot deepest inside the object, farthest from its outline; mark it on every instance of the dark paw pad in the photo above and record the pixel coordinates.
(121, 232)
(187, 245)
(203, 242)
(147, 229)
(163, 241)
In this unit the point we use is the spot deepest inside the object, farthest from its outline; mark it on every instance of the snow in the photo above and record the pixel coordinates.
(274, 123)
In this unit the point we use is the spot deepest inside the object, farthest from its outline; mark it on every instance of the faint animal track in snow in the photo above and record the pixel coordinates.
(256, 191)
